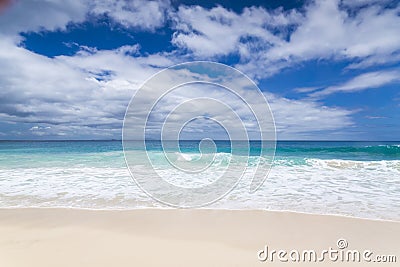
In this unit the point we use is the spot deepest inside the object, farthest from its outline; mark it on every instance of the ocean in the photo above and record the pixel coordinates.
(360, 179)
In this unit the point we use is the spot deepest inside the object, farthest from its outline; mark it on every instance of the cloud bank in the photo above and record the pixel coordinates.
(85, 95)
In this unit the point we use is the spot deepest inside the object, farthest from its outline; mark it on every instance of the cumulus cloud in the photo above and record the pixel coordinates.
(174, 109)
(89, 90)
(51, 15)
(27, 16)
(219, 31)
(307, 118)
(143, 14)
(328, 32)
(268, 41)
(86, 94)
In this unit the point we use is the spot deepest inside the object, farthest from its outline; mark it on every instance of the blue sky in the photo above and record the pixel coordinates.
(330, 69)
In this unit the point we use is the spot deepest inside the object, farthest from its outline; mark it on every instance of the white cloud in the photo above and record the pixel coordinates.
(218, 31)
(265, 40)
(296, 119)
(268, 41)
(306, 89)
(70, 92)
(143, 14)
(51, 15)
(378, 59)
(328, 32)
(118, 63)
(362, 82)
(86, 94)
(29, 15)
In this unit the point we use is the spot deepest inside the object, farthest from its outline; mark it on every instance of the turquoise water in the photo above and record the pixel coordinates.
(349, 178)
(32, 153)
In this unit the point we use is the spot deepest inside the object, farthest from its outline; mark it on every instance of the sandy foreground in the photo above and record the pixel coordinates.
(150, 237)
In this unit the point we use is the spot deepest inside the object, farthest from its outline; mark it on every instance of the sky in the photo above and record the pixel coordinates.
(329, 69)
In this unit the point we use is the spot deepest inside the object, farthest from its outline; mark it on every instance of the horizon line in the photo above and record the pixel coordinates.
(120, 140)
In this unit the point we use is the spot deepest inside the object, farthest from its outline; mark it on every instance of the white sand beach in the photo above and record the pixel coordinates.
(153, 237)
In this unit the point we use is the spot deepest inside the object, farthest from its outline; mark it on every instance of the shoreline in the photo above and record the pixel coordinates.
(201, 208)
(179, 237)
